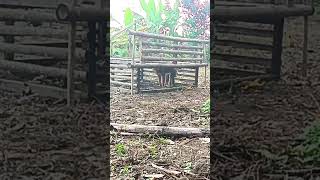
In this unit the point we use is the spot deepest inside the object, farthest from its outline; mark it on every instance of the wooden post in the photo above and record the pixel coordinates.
(138, 79)
(305, 44)
(204, 60)
(102, 33)
(9, 39)
(175, 56)
(133, 54)
(130, 45)
(71, 57)
(196, 78)
(305, 47)
(140, 45)
(277, 48)
(92, 58)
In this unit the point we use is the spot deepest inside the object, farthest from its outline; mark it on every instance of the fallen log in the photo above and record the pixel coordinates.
(162, 130)
(59, 53)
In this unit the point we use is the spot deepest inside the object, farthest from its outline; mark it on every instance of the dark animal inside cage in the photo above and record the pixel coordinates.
(166, 75)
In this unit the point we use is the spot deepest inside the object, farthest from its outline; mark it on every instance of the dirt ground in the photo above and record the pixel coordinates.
(39, 139)
(188, 156)
(253, 135)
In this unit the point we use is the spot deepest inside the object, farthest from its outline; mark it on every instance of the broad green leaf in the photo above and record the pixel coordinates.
(128, 17)
(143, 5)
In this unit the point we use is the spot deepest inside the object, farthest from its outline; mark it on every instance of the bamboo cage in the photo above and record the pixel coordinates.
(136, 73)
(249, 36)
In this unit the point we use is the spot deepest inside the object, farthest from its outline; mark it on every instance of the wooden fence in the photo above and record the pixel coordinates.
(248, 38)
(152, 51)
(37, 41)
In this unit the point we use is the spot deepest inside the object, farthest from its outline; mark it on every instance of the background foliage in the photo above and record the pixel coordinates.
(190, 16)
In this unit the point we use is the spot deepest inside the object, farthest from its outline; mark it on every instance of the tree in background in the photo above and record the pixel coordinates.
(191, 16)
(186, 18)
(197, 18)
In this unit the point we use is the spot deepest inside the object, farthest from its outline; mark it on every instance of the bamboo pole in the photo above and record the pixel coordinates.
(265, 13)
(59, 53)
(205, 68)
(157, 58)
(305, 47)
(48, 4)
(41, 90)
(171, 131)
(64, 12)
(133, 54)
(26, 15)
(305, 44)
(171, 51)
(140, 45)
(71, 57)
(31, 31)
(171, 45)
(191, 65)
(150, 35)
(9, 39)
(38, 69)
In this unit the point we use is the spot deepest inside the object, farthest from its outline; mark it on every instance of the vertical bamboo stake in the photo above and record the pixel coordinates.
(305, 45)
(71, 56)
(133, 54)
(9, 39)
(204, 60)
(140, 45)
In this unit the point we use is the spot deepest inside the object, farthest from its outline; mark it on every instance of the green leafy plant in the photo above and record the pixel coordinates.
(309, 150)
(153, 14)
(120, 149)
(126, 170)
(206, 107)
(188, 167)
(172, 16)
(163, 141)
(128, 17)
(153, 150)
